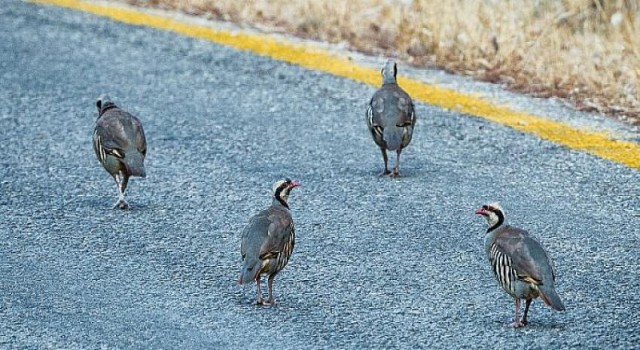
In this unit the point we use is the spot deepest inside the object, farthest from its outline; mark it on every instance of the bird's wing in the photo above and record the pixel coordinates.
(140, 140)
(525, 254)
(104, 143)
(111, 130)
(406, 115)
(278, 233)
(254, 235)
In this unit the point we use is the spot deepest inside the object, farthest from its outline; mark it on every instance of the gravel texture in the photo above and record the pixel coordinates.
(379, 262)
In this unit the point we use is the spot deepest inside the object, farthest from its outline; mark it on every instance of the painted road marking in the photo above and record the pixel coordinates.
(596, 143)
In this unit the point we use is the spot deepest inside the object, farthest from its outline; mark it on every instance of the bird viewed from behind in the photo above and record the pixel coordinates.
(120, 145)
(519, 263)
(268, 240)
(391, 117)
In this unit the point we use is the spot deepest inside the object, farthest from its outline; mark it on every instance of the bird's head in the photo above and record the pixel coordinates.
(282, 188)
(389, 72)
(493, 213)
(104, 103)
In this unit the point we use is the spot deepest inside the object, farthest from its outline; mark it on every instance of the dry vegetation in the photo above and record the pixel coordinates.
(587, 51)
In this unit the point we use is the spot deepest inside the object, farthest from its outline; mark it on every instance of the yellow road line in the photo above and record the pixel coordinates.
(600, 144)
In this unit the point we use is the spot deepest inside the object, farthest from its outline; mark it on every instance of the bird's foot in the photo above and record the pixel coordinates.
(121, 204)
(396, 173)
(385, 173)
(270, 301)
(260, 301)
(518, 324)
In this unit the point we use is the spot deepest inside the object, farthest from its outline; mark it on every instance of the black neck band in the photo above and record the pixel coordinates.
(277, 195)
(108, 107)
(500, 220)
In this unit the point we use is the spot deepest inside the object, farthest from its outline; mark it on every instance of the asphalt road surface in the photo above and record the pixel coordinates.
(379, 262)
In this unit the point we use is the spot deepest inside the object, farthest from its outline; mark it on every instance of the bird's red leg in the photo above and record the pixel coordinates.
(270, 300)
(259, 290)
(386, 162)
(526, 310)
(516, 319)
(396, 170)
(121, 184)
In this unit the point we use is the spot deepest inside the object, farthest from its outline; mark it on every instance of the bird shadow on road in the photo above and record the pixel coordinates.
(107, 204)
(534, 326)
(375, 173)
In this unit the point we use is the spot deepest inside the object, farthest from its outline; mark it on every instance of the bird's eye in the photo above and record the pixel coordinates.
(485, 207)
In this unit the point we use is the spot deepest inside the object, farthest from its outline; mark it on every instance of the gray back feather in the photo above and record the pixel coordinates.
(527, 255)
(269, 235)
(119, 133)
(392, 112)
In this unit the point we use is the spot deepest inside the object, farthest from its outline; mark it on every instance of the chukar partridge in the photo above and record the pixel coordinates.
(391, 117)
(267, 241)
(519, 263)
(120, 145)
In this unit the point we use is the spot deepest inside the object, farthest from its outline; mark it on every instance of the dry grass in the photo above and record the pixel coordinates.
(586, 51)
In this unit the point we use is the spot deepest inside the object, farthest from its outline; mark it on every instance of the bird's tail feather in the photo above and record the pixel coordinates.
(550, 297)
(393, 137)
(134, 161)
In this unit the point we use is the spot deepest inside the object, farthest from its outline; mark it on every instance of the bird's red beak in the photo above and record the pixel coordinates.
(294, 184)
(481, 211)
